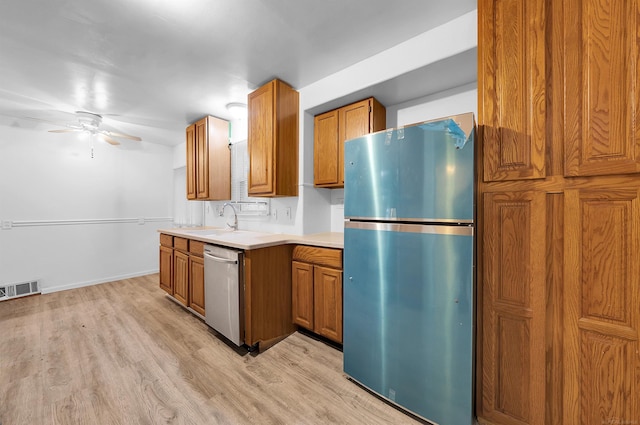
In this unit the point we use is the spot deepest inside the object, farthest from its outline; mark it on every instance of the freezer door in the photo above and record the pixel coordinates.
(409, 316)
(422, 172)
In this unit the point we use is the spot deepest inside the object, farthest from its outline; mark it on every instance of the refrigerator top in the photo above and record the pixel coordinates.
(421, 172)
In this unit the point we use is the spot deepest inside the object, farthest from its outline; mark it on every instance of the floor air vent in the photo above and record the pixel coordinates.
(16, 290)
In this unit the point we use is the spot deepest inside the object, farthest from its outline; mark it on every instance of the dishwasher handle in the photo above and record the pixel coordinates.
(220, 259)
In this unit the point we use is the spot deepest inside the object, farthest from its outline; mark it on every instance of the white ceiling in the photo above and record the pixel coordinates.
(157, 65)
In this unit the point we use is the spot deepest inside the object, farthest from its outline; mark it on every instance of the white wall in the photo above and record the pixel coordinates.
(457, 100)
(55, 195)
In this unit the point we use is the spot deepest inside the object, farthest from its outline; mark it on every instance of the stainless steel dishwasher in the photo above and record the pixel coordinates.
(224, 291)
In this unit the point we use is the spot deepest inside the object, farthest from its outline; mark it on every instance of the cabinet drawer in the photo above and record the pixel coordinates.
(181, 243)
(321, 256)
(196, 247)
(166, 240)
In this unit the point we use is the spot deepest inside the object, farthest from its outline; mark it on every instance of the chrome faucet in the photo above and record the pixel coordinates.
(234, 226)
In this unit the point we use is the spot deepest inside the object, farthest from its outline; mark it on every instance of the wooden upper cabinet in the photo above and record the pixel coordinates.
(333, 128)
(208, 160)
(512, 88)
(602, 76)
(191, 161)
(273, 140)
(326, 150)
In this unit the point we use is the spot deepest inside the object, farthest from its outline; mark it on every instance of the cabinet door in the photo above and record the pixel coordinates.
(202, 160)
(191, 161)
(181, 277)
(512, 88)
(261, 139)
(302, 291)
(601, 305)
(219, 159)
(196, 283)
(166, 269)
(353, 122)
(326, 150)
(602, 77)
(513, 292)
(327, 294)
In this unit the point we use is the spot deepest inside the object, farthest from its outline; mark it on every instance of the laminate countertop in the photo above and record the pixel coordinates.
(245, 239)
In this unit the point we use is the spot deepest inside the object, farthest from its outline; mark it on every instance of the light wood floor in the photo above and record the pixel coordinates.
(122, 353)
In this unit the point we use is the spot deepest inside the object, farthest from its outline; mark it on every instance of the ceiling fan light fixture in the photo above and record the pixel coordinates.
(237, 110)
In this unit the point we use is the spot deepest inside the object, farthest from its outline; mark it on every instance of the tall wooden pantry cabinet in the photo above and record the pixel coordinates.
(559, 212)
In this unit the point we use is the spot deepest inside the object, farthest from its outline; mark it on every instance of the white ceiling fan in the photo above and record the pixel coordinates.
(90, 123)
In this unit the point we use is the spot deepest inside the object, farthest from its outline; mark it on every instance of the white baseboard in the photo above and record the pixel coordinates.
(95, 282)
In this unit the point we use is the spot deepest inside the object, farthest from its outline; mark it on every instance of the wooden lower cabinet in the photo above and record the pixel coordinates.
(196, 284)
(166, 268)
(267, 295)
(327, 302)
(601, 352)
(302, 295)
(181, 276)
(182, 270)
(317, 290)
(513, 302)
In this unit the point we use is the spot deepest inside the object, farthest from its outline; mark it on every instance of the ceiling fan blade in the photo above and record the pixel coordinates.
(66, 130)
(109, 140)
(124, 136)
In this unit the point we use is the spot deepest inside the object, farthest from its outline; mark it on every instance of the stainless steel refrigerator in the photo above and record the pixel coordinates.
(409, 295)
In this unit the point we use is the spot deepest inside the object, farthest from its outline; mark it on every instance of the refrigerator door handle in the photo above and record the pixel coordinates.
(436, 229)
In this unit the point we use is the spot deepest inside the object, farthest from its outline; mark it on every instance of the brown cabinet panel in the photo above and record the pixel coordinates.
(181, 277)
(261, 137)
(317, 290)
(602, 130)
(208, 160)
(354, 120)
(558, 111)
(166, 269)
(273, 140)
(196, 283)
(327, 294)
(512, 88)
(602, 323)
(329, 257)
(202, 160)
(333, 128)
(166, 240)
(181, 244)
(302, 295)
(326, 149)
(513, 304)
(267, 295)
(191, 161)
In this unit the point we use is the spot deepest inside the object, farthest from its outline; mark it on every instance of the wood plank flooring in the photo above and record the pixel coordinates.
(123, 353)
